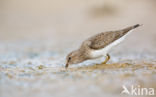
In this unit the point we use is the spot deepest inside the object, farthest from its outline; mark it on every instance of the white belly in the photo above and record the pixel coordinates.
(105, 50)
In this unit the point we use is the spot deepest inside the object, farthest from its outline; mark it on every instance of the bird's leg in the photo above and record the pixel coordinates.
(107, 59)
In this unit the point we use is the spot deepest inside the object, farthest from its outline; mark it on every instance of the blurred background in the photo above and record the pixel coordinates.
(36, 35)
(66, 23)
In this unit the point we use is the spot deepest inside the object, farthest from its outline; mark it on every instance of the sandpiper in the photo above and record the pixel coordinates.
(98, 46)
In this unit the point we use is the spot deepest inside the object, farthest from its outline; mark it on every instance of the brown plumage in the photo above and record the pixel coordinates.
(103, 39)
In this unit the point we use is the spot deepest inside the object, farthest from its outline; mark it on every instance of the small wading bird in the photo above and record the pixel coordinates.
(98, 46)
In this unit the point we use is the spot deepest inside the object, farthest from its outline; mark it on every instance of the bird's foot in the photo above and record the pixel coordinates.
(107, 59)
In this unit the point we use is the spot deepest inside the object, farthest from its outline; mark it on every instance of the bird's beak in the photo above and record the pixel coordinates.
(66, 65)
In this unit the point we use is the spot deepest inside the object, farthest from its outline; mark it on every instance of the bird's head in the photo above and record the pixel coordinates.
(74, 58)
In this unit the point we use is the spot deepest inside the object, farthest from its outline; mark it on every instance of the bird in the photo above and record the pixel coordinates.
(98, 46)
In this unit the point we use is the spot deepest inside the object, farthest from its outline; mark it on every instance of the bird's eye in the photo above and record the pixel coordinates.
(69, 58)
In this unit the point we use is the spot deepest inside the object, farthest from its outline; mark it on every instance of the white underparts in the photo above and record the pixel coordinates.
(104, 51)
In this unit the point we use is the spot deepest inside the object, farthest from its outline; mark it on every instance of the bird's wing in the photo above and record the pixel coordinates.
(101, 40)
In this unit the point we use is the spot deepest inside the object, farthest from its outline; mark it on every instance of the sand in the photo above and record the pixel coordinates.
(35, 38)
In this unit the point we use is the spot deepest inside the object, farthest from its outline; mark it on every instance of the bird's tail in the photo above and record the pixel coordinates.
(130, 28)
(135, 26)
